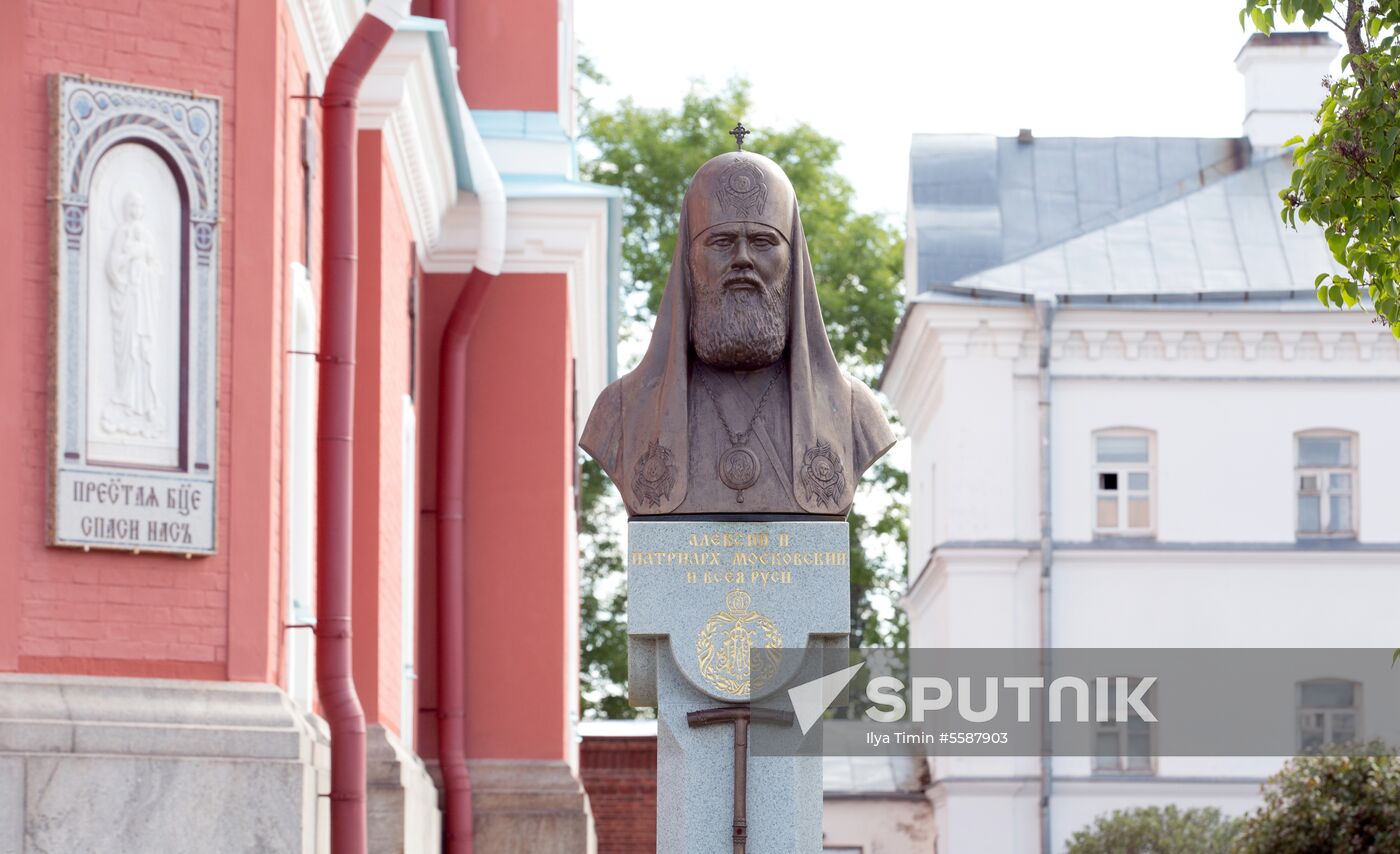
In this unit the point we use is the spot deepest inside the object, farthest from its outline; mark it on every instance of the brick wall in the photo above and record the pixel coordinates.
(146, 614)
(381, 381)
(619, 774)
(112, 613)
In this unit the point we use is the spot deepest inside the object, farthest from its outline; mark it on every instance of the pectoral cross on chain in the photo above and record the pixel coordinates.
(739, 133)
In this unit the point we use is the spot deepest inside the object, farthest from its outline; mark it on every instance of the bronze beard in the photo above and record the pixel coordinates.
(738, 329)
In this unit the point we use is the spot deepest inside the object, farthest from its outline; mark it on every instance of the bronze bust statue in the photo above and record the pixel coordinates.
(739, 405)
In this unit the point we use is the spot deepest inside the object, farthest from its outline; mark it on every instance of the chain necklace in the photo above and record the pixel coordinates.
(739, 466)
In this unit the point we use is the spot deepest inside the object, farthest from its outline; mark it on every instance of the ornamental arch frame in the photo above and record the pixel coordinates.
(98, 501)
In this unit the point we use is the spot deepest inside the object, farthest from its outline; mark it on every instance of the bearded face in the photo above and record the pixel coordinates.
(739, 279)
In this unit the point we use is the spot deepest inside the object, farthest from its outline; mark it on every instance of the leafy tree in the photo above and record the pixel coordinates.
(1340, 804)
(871, 570)
(603, 603)
(1347, 178)
(857, 260)
(1156, 830)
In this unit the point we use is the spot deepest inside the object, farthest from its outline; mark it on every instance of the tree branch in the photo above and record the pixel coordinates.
(1334, 22)
(1356, 45)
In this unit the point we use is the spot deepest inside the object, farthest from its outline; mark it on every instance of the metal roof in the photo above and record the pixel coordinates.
(1223, 238)
(982, 203)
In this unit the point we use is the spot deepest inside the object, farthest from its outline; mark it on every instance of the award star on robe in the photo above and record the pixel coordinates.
(738, 340)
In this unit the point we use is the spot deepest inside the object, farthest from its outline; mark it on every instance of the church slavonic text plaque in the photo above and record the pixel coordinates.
(133, 432)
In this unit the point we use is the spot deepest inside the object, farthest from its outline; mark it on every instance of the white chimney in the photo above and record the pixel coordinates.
(1283, 84)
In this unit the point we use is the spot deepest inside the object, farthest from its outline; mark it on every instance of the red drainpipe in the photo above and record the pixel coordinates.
(334, 434)
(451, 561)
(447, 11)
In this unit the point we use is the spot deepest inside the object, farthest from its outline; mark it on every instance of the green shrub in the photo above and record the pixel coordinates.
(1156, 830)
(1347, 804)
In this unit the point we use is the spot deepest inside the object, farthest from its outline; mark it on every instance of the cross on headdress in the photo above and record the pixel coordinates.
(739, 133)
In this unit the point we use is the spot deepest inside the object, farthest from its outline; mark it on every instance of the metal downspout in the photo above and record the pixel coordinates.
(446, 11)
(335, 435)
(1045, 316)
(451, 495)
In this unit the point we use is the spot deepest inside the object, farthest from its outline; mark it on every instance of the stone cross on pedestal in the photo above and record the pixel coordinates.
(712, 607)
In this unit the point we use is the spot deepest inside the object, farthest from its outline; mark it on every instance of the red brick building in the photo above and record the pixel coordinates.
(617, 765)
(165, 359)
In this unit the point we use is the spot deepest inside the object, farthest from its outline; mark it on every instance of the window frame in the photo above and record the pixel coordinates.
(1123, 494)
(299, 509)
(1120, 730)
(1323, 492)
(1355, 710)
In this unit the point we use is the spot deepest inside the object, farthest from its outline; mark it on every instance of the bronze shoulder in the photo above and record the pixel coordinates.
(602, 434)
(871, 434)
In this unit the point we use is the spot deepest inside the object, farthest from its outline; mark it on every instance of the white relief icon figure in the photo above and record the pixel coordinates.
(133, 272)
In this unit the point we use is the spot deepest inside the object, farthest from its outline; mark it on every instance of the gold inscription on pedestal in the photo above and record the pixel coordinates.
(753, 558)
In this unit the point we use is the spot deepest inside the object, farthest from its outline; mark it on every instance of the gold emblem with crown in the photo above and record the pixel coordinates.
(727, 641)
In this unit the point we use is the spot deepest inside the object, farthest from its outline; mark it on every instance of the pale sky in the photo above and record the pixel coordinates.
(873, 72)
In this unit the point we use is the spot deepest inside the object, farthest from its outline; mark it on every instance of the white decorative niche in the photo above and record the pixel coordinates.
(136, 190)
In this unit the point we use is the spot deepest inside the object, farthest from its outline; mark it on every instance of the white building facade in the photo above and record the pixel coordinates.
(1133, 425)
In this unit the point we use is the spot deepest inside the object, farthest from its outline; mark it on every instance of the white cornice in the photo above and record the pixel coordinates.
(1127, 343)
(401, 96)
(548, 235)
(1267, 558)
(934, 334)
(1256, 344)
(322, 27)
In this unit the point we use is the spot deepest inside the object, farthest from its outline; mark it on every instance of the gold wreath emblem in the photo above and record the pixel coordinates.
(727, 640)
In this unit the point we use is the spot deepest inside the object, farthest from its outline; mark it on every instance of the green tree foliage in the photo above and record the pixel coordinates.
(602, 601)
(1348, 804)
(857, 259)
(1347, 178)
(1156, 830)
(871, 570)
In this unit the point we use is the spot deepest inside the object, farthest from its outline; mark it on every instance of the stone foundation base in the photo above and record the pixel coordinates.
(529, 807)
(402, 800)
(156, 766)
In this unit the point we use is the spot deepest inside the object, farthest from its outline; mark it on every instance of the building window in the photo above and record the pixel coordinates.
(408, 566)
(1123, 479)
(1124, 746)
(301, 493)
(1328, 713)
(1326, 482)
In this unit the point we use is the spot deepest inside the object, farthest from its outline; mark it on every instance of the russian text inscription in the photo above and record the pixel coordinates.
(136, 178)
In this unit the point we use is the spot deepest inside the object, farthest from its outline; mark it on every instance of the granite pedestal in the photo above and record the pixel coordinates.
(718, 614)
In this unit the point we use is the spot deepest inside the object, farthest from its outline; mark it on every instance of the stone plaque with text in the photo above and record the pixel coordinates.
(135, 317)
